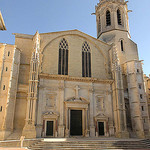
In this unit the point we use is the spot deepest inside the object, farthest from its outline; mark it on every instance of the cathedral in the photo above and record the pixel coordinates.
(69, 84)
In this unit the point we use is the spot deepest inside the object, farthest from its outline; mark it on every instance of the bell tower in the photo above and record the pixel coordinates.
(130, 109)
(111, 15)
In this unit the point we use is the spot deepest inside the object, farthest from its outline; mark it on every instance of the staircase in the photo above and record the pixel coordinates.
(92, 144)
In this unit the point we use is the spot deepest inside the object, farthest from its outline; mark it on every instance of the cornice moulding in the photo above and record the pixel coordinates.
(77, 79)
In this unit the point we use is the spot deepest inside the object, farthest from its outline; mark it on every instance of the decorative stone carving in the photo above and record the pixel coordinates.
(100, 103)
(77, 92)
(51, 100)
(50, 114)
(101, 116)
(79, 100)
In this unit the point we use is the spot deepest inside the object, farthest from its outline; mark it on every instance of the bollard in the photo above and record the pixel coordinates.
(21, 140)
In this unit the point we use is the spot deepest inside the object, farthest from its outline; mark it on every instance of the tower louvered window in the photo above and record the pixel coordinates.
(108, 18)
(86, 60)
(99, 24)
(63, 58)
(119, 17)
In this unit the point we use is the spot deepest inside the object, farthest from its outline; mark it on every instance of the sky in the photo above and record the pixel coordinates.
(28, 16)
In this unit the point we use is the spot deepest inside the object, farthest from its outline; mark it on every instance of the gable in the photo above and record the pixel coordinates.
(75, 40)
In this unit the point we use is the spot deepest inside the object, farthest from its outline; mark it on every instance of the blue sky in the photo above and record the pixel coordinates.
(28, 16)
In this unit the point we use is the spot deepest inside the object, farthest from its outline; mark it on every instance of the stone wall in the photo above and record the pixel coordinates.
(10, 61)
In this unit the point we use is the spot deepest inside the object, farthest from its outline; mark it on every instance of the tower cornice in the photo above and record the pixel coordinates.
(106, 2)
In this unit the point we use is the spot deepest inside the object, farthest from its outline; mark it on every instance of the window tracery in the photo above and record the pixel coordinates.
(63, 58)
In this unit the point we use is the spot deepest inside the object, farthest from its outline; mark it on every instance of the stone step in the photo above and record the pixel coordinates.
(93, 144)
(89, 148)
(47, 144)
(41, 144)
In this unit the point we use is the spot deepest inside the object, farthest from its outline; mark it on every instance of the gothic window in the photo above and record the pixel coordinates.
(86, 60)
(122, 46)
(119, 17)
(63, 58)
(108, 18)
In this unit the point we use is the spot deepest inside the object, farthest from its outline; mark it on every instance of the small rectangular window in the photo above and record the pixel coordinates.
(3, 87)
(6, 68)
(138, 70)
(142, 108)
(122, 47)
(141, 96)
(1, 109)
(8, 53)
(140, 86)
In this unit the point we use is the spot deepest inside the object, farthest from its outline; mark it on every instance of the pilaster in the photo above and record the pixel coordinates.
(61, 127)
(29, 130)
(92, 126)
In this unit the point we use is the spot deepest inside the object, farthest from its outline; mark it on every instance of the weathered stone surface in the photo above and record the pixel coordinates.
(36, 100)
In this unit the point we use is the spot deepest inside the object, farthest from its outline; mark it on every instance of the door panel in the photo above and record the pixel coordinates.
(49, 128)
(76, 122)
(101, 128)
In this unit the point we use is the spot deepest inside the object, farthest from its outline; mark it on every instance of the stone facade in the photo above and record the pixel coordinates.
(147, 90)
(63, 76)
